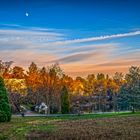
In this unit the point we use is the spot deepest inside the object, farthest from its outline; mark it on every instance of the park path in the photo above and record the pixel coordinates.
(32, 114)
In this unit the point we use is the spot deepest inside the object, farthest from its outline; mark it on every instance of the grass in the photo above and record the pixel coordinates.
(33, 127)
(19, 127)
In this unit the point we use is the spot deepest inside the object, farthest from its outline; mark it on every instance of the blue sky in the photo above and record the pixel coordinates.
(83, 36)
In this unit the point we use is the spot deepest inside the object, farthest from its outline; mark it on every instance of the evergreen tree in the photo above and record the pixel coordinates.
(133, 86)
(124, 98)
(65, 104)
(130, 93)
(5, 109)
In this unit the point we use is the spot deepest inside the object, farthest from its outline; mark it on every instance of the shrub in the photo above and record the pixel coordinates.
(3, 116)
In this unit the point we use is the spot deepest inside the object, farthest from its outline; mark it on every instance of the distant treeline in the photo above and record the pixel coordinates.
(94, 93)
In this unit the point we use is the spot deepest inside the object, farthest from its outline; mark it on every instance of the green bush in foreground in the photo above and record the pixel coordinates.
(5, 109)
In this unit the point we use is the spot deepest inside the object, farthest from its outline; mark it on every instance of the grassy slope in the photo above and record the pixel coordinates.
(19, 127)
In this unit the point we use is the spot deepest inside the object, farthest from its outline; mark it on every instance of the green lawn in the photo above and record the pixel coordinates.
(19, 128)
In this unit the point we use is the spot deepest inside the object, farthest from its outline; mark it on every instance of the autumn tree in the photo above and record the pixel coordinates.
(5, 69)
(89, 86)
(33, 84)
(100, 90)
(118, 78)
(111, 94)
(16, 85)
(68, 81)
(117, 83)
(18, 72)
(78, 86)
(54, 87)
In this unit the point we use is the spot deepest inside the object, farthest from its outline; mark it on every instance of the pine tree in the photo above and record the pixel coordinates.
(5, 109)
(65, 105)
(133, 86)
(124, 100)
(130, 93)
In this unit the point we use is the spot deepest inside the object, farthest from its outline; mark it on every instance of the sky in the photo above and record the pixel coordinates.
(83, 36)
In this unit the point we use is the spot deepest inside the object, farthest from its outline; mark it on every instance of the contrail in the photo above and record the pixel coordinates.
(98, 38)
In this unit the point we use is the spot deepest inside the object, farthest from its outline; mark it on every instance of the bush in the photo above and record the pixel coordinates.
(5, 109)
(3, 116)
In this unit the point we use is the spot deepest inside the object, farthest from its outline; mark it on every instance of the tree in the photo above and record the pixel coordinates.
(78, 86)
(5, 109)
(50, 87)
(65, 105)
(133, 87)
(16, 85)
(89, 86)
(5, 68)
(118, 78)
(124, 98)
(18, 72)
(33, 83)
(130, 92)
